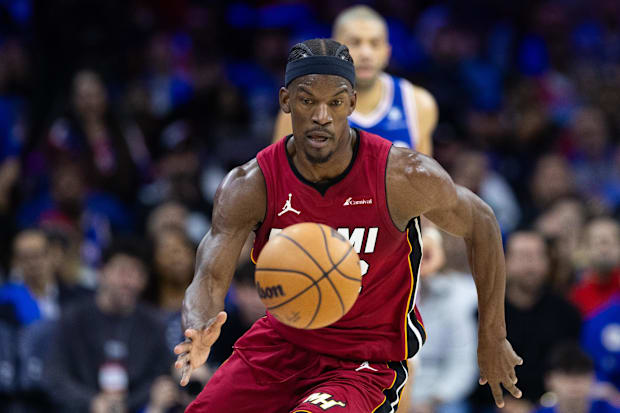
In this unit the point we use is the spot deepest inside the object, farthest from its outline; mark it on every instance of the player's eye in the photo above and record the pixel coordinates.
(337, 102)
(306, 101)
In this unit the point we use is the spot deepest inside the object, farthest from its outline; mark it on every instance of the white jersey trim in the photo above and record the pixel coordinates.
(418, 336)
(395, 403)
(411, 110)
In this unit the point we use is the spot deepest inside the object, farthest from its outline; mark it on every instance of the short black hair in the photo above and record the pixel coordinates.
(319, 47)
(569, 358)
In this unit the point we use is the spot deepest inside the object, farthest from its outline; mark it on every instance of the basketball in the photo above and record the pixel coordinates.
(308, 276)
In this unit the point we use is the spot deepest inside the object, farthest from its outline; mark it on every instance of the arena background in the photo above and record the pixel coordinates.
(118, 119)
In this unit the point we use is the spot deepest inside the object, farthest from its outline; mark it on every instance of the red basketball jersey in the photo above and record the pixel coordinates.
(383, 323)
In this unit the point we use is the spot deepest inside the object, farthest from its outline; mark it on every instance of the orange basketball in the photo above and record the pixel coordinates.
(308, 275)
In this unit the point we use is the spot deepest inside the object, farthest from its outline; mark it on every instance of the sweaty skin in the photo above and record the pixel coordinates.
(415, 185)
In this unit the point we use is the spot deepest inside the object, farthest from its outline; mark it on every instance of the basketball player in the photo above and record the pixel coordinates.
(357, 364)
(388, 106)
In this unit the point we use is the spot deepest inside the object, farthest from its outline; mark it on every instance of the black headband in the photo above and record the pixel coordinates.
(319, 65)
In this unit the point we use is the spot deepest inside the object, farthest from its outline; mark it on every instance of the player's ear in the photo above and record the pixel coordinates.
(285, 98)
(353, 102)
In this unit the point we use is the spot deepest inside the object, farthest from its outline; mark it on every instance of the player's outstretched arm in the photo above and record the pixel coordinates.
(417, 185)
(240, 204)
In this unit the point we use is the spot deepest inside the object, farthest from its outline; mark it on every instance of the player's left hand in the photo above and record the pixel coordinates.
(194, 351)
(497, 361)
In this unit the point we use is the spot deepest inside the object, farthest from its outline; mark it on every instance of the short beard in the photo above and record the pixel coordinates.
(316, 160)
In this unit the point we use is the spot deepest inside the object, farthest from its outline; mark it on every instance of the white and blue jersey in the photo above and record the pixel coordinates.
(396, 116)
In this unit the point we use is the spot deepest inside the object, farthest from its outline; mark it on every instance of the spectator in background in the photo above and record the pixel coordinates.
(551, 180)
(601, 280)
(471, 169)
(109, 153)
(570, 379)
(174, 256)
(34, 292)
(446, 371)
(167, 215)
(168, 397)
(246, 308)
(64, 249)
(95, 216)
(512, 405)
(173, 214)
(108, 350)
(9, 175)
(178, 170)
(13, 88)
(594, 158)
(260, 76)
(537, 319)
(601, 339)
(562, 223)
(168, 87)
(217, 113)
(8, 379)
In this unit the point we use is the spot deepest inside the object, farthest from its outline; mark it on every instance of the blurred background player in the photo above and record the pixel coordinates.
(388, 106)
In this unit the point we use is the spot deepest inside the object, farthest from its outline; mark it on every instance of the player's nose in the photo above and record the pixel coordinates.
(365, 51)
(322, 115)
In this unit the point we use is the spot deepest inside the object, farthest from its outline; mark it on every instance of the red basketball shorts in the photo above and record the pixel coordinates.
(267, 374)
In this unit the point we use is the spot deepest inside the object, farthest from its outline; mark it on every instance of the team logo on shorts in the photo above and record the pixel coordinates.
(323, 401)
(365, 365)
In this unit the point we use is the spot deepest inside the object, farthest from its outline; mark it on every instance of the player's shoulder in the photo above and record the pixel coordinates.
(410, 87)
(246, 176)
(413, 164)
(423, 98)
(243, 189)
(409, 170)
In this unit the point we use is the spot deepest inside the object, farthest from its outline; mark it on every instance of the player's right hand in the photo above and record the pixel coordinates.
(194, 351)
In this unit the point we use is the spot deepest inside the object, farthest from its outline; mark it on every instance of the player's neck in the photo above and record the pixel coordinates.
(368, 97)
(336, 165)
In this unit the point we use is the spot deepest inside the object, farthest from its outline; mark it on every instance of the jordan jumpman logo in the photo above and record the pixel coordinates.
(365, 365)
(287, 207)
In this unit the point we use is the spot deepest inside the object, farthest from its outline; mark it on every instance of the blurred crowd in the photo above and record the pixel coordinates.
(118, 120)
